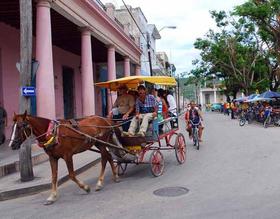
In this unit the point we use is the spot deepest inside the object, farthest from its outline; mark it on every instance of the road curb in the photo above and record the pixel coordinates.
(16, 193)
(13, 167)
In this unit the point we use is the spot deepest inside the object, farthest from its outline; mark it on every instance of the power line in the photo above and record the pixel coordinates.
(134, 20)
(147, 40)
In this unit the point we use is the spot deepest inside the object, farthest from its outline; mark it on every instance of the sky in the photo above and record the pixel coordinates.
(192, 19)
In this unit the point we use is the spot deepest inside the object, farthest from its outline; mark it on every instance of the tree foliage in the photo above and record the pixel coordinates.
(244, 50)
(265, 15)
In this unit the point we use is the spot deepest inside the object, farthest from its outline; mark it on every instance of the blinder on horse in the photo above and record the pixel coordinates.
(21, 131)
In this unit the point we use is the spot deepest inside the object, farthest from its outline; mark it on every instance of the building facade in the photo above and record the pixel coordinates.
(142, 32)
(164, 66)
(76, 43)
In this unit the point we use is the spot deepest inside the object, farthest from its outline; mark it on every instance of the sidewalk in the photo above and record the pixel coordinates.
(10, 184)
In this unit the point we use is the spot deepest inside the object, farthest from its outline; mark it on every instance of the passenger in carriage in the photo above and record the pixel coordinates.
(134, 93)
(163, 113)
(123, 107)
(146, 110)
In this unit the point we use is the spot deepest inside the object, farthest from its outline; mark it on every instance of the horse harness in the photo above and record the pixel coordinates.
(53, 136)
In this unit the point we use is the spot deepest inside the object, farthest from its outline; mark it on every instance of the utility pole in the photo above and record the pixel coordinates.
(26, 171)
(149, 53)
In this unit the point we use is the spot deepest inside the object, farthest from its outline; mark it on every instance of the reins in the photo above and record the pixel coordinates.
(56, 126)
(94, 138)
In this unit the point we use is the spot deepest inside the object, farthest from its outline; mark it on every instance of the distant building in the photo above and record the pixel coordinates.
(147, 33)
(211, 92)
(164, 67)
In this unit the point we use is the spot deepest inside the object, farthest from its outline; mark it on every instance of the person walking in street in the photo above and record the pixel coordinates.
(3, 123)
(227, 108)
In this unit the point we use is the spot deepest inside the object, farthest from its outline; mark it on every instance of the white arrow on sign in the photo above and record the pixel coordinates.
(26, 91)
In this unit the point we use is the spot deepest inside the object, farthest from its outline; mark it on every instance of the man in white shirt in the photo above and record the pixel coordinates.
(172, 103)
(172, 109)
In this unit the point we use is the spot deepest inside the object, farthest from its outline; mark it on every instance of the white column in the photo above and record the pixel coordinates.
(215, 95)
(126, 66)
(88, 101)
(111, 59)
(45, 76)
(201, 97)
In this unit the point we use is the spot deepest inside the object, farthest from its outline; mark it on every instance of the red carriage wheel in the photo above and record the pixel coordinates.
(121, 168)
(180, 148)
(157, 163)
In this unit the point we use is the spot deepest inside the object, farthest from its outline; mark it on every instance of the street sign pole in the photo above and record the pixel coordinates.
(26, 170)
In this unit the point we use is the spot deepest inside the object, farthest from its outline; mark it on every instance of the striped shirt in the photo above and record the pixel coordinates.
(148, 106)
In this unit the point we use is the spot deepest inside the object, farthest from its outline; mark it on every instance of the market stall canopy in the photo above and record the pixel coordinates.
(133, 81)
(252, 96)
(258, 98)
(270, 94)
(240, 99)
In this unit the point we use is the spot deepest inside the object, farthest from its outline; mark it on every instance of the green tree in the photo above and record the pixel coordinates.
(265, 14)
(233, 53)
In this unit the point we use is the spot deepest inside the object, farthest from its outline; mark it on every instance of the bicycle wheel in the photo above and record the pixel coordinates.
(276, 121)
(197, 140)
(242, 121)
(249, 117)
(194, 136)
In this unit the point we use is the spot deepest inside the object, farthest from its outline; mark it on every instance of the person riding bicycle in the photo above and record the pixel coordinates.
(194, 115)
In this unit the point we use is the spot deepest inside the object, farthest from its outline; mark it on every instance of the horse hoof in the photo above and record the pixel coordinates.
(98, 188)
(117, 180)
(48, 202)
(87, 189)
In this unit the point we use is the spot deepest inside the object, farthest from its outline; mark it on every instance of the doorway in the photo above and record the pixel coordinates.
(68, 92)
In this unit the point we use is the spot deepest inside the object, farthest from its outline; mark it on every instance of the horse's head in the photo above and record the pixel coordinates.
(20, 132)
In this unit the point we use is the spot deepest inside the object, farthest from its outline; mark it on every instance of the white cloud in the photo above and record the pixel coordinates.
(192, 19)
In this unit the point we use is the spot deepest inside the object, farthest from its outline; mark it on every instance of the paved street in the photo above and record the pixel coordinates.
(236, 174)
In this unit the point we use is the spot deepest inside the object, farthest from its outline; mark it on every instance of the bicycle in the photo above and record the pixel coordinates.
(271, 118)
(195, 133)
(246, 116)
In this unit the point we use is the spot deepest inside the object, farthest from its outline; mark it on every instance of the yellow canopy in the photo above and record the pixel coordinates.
(133, 81)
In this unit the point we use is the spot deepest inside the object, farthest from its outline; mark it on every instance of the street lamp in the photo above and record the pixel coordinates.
(169, 27)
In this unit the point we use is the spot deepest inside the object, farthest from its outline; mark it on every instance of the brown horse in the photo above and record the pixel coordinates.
(62, 140)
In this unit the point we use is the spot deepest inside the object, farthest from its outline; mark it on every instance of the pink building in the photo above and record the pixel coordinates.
(77, 43)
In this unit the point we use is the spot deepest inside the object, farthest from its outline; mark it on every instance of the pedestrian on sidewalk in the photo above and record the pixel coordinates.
(232, 110)
(227, 108)
(3, 123)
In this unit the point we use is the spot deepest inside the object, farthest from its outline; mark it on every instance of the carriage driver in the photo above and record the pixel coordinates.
(123, 106)
(146, 110)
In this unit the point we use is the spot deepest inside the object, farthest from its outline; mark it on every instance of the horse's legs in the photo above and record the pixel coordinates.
(53, 196)
(100, 181)
(114, 168)
(72, 175)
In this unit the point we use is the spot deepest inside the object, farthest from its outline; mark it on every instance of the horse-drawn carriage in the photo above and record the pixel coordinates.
(64, 138)
(154, 140)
